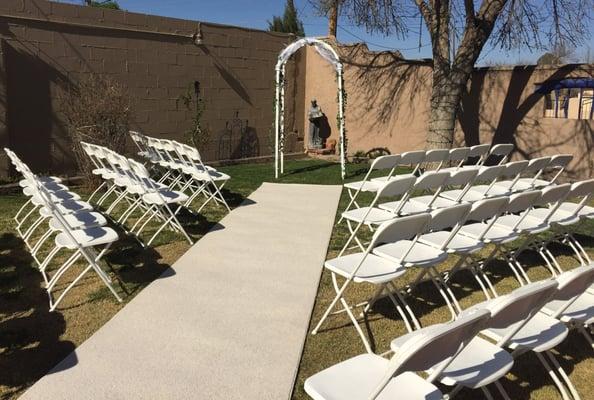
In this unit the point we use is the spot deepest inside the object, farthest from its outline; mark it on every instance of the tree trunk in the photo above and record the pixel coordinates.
(333, 19)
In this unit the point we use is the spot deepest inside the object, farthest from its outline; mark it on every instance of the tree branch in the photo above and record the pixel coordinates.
(425, 11)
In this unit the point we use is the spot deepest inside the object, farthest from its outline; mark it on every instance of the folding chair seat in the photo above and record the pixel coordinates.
(369, 376)
(414, 159)
(512, 170)
(458, 178)
(558, 162)
(366, 267)
(486, 175)
(533, 168)
(429, 181)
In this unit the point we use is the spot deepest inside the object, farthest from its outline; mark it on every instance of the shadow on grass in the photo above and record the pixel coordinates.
(30, 343)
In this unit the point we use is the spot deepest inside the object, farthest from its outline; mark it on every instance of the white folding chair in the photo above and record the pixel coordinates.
(557, 163)
(499, 153)
(372, 216)
(459, 178)
(354, 189)
(513, 170)
(486, 175)
(158, 203)
(366, 267)
(203, 180)
(432, 181)
(369, 376)
(534, 168)
(413, 159)
(479, 153)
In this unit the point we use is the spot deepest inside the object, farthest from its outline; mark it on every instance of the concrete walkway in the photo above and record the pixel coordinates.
(228, 321)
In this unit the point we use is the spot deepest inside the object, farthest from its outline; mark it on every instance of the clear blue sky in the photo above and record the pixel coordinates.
(256, 13)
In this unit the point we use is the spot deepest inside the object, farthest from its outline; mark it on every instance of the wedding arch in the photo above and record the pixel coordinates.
(330, 55)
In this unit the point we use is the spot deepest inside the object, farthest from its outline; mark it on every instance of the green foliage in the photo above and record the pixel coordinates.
(109, 4)
(193, 101)
(289, 22)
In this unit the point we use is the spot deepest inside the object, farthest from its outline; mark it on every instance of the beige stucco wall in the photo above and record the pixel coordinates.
(388, 106)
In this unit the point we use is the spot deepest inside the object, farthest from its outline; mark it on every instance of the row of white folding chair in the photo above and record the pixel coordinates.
(397, 250)
(532, 171)
(75, 229)
(466, 179)
(79, 212)
(184, 169)
(452, 353)
(131, 182)
(428, 249)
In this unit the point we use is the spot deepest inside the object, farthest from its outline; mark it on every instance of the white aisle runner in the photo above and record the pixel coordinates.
(228, 323)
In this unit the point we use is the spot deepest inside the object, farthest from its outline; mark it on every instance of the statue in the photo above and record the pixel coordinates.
(316, 117)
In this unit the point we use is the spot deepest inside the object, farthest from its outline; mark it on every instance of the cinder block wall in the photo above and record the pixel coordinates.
(47, 45)
(388, 106)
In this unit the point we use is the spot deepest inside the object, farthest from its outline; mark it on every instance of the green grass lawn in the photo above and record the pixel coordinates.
(33, 340)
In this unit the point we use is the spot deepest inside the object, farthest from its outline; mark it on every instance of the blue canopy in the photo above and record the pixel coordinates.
(573, 83)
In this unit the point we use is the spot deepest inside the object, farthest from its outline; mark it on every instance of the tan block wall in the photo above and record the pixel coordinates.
(47, 45)
(388, 106)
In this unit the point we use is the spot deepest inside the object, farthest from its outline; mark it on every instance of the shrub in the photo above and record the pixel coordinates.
(96, 110)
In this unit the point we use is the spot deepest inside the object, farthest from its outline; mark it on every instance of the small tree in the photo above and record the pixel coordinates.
(289, 22)
(192, 100)
(459, 30)
(96, 110)
(110, 4)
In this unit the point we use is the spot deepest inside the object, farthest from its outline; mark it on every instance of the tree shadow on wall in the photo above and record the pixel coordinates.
(386, 80)
(515, 114)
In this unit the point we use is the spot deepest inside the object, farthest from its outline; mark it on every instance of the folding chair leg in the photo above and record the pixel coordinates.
(563, 375)
(23, 207)
(587, 335)
(553, 376)
(443, 294)
(405, 304)
(332, 304)
(409, 328)
(579, 246)
(104, 183)
(501, 390)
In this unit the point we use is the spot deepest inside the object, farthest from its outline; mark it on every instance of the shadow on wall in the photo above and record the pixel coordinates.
(29, 113)
(384, 79)
(237, 140)
(520, 123)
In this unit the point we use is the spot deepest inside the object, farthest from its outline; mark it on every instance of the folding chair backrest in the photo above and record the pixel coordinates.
(485, 209)
(560, 161)
(436, 156)
(501, 151)
(572, 284)
(537, 164)
(459, 155)
(519, 305)
(554, 194)
(431, 180)
(412, 157)
(462, 177)
(582, 189)
(479, 150)
(439, 343)
(138, 169)
(385, 162)
(401, 228)
(514, 168)
(397, 186)
(522, 201)
(489, 174)
(449, 217)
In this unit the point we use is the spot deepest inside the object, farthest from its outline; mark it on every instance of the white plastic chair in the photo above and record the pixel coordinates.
(557, 163)
(369, 376)
(486, 175)
(366, 267)
(432, 181)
